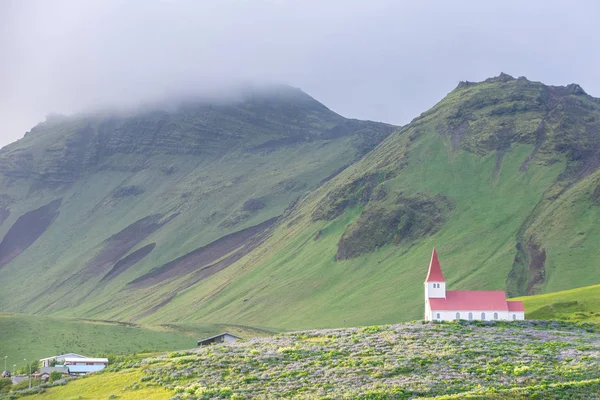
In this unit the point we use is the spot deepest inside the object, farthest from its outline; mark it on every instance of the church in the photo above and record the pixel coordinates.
(448, 305)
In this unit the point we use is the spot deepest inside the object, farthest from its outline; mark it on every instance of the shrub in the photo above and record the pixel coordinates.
(5, 384)
(24, 384)
(55, 375)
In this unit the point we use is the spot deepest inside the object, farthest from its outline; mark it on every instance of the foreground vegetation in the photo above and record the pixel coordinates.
(33, 337)
(550, 360)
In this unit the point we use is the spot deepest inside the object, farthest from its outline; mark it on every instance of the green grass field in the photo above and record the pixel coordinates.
(119, 385)
(578, 305)
(33, 337)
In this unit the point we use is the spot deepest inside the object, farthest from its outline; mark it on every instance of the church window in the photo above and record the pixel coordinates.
(457, 315)
(483, 316)
(514, 317)
(495, 315)
(470, 316)
(438, 315)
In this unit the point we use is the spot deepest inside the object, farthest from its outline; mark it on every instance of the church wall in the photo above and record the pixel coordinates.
(464, 314)
(520, 315)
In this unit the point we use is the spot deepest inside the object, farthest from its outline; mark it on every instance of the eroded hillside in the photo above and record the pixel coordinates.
(97, 204)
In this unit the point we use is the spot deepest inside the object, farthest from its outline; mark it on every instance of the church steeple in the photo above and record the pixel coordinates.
(435, 271)
(435, 284)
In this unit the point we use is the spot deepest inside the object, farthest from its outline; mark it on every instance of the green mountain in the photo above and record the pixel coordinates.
(274, 211)
(98, 207)
(502, 176)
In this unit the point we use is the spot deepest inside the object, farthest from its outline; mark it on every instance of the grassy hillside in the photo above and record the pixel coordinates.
(118, 385)
(488, 360)
(94, 205)
(35, 337)
(581, 304)
(501, 176)
(272, 211)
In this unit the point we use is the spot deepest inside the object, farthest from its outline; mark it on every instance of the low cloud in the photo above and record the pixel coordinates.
(379, 60)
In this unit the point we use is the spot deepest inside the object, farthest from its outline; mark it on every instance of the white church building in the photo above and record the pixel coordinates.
(449, 305)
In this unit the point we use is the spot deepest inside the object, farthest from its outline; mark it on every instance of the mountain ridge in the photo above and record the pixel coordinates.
(525, 149)
(501, 174)
(139, 191)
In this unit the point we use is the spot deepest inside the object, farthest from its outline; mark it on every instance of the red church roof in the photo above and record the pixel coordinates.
(516, 306)
(435, 271)
(467, 300)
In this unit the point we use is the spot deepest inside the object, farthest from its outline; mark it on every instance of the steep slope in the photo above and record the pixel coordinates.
(501, 175)
(97, 204)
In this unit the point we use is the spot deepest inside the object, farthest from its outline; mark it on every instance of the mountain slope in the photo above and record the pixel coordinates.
(259, 220)
(94, 205)
(501, 175)
(578, 305)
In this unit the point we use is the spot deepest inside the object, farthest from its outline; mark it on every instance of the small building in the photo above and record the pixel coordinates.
(220, 338)
(84, 369)
(45, 362)
(448, 305)
(45, 376)
(82, 366)
(60, 368)
(85, 361)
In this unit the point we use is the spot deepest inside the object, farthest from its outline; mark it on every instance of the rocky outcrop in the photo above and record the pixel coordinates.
(407, 219)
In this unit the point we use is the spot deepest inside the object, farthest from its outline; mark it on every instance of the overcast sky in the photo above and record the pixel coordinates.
(380, 60)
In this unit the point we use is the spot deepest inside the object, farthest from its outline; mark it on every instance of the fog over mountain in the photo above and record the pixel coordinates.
(379, 60)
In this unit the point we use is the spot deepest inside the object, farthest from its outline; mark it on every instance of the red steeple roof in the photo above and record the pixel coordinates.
(435, 271)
